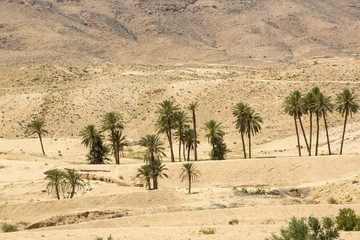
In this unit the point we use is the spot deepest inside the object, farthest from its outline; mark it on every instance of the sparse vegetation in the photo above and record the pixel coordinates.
(207, 231)
(6, 227)
(189, 173)
(332, 200)
(234, 221)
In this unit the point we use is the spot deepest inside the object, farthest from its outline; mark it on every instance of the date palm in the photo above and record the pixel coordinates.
(155, 147)
(315, 92)
(157, 171)
(253, 125)
(93, 139)
(55, 178)
(167, 113)
(182, 121)
(37, 127)
(73, 180)
(323, 105)
(292, 106)
(112, 122)
(346, 103)
(189, 139)
(120, 142)
(193, 107)
(144, 174)
(189, 173)
(307, 103)
(214, 132)
(240, 112)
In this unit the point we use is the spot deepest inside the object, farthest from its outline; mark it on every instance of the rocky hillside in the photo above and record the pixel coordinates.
(175, 31)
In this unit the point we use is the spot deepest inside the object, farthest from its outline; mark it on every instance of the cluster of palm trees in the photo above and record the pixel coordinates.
(247, 122)
(172, 121)
(215, 136)
(112, 122)
(65, 182)
(316, 103)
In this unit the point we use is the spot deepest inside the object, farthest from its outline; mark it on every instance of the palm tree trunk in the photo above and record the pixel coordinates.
(194, 121)
(343, 136)
(180, 140)
(148, 183)
(310, 133)
(72, 191)
(243, 144)
(184, 151)
(152, 159)
(188, 158)
(170, 142)
(57, 191)
(189, 184)
(327, 133)
(249, 135)
(297, 135)
(114, 147)
(41, 143)
(317, 134)
(306, 142)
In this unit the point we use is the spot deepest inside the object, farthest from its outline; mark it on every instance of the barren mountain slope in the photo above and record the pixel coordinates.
(160, 31)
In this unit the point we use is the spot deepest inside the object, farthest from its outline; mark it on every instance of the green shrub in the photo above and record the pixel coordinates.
(207, 231)
(312, 229)
(9, 228)
(234, 221)
(332, 200)
(347, 220)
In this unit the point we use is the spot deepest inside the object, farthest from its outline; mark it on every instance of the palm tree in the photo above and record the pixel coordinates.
(112, 121)
(315, 92)
(307, 103)
(37, 127)
(144, 173)
(292, 106)
(189, 172)
(323, 105)
(167, 112)
(157, 170)
(154, 146)
(253, 126)
(120, 142)
(73, 180)
(214, 132)
(346, 103)
(192, 107)
(189, 139)
(93, 139)
(182, 121)
(56, 182)
(240, 112)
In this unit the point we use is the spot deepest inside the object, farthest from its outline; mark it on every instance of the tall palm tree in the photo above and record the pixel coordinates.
(214, 132)
(292, 106)
(37, 127)
(240, 112)
(120, 142)
(144, 173)
(182, 121)
(73, 180)
(93, 139)
(346, 103)
(167, 113)
(190, 173)
(154, 146)
(315, 92)
(192, 107)
(56, 182)
(113, 121)
(307, 103)
(157, 170)
(323, 105)
(253, 126)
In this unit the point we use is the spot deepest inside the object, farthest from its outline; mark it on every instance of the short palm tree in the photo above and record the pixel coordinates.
(144, 174)
(167, 112)
(112, 122)
(182, 121)
(56, 182)
(120, 143)
(240, 112)
(214, 132)
(193, 107)
(37, 127)
(73, 180)
(322, 106)
(93, 139)
(155, 147)
(346, 103)
(292, 106)
(189, 173)
(189, 139)
(253, 125)
(157, 171)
